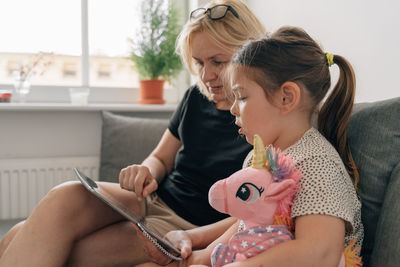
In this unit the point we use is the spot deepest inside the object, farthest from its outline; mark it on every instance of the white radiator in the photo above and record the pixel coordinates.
(24, 182)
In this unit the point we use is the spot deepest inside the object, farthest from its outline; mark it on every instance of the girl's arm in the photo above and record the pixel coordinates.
(203, 256)
(200, 237)
(203, 236)
(319, 241)
(210, 235)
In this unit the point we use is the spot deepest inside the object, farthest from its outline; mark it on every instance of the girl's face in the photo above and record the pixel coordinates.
(254, 112)
(211, 60)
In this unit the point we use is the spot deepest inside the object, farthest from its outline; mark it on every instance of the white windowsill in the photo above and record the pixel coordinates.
(89, 107)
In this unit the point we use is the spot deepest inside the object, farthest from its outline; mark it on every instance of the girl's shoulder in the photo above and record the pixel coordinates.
(313, 146)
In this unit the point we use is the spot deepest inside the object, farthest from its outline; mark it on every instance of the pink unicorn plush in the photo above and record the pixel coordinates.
(261, 196)
(258, 195)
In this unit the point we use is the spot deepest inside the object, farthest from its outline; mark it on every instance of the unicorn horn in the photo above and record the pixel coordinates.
(260, 156)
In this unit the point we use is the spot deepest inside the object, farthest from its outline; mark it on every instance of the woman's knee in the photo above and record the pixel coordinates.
(68, 194)
(64, 201)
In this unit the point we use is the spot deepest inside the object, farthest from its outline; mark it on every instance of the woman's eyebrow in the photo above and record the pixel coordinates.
(216, 55)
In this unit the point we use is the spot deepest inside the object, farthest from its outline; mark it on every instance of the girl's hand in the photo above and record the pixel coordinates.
(181, 240)
(138, 178)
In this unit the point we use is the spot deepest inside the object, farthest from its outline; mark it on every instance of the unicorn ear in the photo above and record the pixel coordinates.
(279, 190)
(260, 156)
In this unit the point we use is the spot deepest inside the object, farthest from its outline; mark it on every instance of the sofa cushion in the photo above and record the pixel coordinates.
(126, 140)
(374, 139)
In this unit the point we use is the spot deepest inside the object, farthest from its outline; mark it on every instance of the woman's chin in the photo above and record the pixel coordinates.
(222, 103)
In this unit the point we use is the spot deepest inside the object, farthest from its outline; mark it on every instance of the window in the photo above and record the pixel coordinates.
(88, 39)
(29, 27)
(111, 24)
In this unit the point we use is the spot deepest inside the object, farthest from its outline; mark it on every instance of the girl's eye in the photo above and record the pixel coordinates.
(249, 193)
(242, 98)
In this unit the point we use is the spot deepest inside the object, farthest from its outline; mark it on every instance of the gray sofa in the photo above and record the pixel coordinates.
(374, 138)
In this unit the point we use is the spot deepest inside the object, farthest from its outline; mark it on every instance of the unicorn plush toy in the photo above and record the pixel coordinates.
(261, 196)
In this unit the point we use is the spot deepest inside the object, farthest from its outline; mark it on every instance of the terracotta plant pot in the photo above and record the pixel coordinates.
(151, 92)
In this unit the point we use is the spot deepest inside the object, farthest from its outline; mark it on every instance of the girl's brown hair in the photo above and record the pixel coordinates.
(290, 54)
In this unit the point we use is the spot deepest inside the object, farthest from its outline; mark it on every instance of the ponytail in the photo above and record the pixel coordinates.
(335, 114)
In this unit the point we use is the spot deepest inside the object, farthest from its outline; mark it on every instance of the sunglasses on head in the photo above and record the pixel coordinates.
(214, 13)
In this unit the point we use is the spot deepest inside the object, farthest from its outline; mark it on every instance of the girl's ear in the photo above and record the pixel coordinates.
(290, 94)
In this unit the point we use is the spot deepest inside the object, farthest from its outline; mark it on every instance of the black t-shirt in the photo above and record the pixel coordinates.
(211, 150)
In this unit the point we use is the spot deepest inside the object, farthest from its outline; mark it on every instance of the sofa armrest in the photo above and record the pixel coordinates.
(126, 140)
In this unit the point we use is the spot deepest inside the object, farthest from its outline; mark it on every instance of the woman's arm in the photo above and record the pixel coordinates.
(319, 241)
(162, 158)
(143, 179)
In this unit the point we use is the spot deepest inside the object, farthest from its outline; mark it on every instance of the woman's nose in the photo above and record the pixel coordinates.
(209, 74)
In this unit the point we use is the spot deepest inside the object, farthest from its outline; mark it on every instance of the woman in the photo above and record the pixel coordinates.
(70, 227)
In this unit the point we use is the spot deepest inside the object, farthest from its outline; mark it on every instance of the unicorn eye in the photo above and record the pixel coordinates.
(249, 193)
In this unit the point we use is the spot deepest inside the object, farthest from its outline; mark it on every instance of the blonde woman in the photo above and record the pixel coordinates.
(70, 227)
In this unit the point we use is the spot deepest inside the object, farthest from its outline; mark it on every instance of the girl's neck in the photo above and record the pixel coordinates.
(293, 132)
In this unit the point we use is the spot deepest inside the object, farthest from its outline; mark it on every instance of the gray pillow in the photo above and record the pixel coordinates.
(126, 140)
(374, 139)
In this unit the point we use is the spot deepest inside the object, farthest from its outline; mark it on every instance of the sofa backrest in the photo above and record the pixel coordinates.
(374, 139)
(126, 140)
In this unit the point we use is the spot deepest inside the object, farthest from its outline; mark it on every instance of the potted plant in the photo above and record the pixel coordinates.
(154, 49)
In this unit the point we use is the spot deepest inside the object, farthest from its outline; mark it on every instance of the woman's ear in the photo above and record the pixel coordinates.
(290, 94)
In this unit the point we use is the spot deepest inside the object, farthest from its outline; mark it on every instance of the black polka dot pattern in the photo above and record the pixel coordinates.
(325, 187)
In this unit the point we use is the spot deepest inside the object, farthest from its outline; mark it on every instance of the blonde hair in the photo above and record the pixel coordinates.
(229, 33)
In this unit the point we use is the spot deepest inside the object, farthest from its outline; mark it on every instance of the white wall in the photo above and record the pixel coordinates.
(366, 32)
(55, 133)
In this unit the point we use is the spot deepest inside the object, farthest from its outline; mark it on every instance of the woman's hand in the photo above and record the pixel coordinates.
(181, 240)
(138, 178)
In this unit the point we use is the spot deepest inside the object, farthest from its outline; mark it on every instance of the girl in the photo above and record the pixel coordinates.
(278, 82)
(71, 228)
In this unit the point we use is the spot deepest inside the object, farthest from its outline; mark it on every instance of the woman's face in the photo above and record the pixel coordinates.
(211, 60)
(253, 111)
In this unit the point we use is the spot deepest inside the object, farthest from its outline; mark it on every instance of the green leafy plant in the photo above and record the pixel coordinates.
(153, 49)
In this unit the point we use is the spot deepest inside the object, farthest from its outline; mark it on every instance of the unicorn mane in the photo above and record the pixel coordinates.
(282, 167)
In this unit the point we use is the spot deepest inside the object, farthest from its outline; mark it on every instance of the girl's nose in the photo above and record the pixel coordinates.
(233, 109)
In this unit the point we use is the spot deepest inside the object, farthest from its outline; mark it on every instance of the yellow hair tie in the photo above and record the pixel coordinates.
(329, 57)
